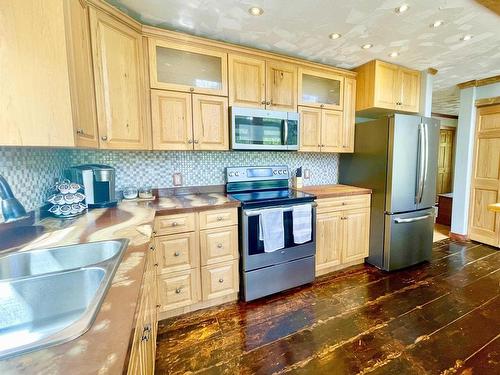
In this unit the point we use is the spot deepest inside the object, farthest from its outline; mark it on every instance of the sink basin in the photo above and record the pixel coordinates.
(53, 295)
(55, 259)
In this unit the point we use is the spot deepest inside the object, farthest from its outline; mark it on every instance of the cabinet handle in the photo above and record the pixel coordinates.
(322, 106)
(80, 132)
(154, 232)
(152, 248)
(196, 141)
(178, 290)
(190, 141)
(219, 245)
(344, 203)
(146, 333)
(219, 218)
(176, 254)
(174, 224)
(191, 89)
(268, 103)
(156, 264)
(221, 280)
(104, 138)
(263, 102)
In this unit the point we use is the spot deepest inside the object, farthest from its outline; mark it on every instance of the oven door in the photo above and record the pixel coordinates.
(253, 255)
(255, 129)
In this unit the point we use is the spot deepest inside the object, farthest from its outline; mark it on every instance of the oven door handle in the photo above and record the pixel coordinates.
(285, 209)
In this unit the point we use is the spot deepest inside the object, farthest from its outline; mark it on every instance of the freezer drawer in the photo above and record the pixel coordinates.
(408, 239)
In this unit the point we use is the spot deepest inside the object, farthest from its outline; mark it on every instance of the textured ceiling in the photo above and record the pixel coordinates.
(301, 28)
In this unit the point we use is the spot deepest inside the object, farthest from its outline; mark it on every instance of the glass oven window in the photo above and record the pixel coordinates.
(259, 131)
(256, 246)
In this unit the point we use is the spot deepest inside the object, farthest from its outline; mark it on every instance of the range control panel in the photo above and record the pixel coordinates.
(276, 172)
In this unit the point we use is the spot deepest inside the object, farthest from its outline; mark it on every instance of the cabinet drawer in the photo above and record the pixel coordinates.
(179, 289)
(218, 218)
(343, 203)
(178, 223)
(219, 280)
(177, 252)
(219, 245)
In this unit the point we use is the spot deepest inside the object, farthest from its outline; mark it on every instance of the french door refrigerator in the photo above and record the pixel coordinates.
(397, 158)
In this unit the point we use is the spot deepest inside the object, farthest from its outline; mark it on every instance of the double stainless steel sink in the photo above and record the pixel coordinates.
(49, 296)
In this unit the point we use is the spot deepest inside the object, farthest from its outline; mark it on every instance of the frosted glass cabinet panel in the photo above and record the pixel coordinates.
(320, 89)
(187, 68)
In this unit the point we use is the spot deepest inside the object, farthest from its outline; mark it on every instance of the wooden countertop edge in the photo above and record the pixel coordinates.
(208, 207)
(333, 191)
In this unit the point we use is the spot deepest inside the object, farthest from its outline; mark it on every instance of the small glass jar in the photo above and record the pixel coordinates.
(130, 192)
(146, 192)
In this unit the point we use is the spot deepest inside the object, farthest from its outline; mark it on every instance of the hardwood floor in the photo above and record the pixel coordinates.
(438, 318)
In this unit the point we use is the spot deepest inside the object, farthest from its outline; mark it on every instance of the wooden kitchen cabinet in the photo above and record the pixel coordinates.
(183, 121)
(281, 86)
(342, 232)
(197, 260)
(349, 112)
(187, 68)
(383, 86)
(247, 81)
(121, 94)
(321, 130)
(320, 89)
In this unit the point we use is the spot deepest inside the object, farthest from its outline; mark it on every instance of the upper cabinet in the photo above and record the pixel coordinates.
(260, 83)
(35, 96)
(383, 86)
(320, 89)
(182, 67)
(119, 73)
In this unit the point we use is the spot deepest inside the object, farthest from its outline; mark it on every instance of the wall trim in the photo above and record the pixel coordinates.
(479, 82)
(459, 237)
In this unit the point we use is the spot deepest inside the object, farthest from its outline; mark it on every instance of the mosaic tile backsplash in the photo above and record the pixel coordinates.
(31, 171)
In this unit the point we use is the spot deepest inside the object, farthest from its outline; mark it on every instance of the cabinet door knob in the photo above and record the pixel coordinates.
(344, 203)
(263, 102)
(191, 89)
(80, 132)
(104, 138)
(196, 141)
(221, 280)
(176, 254)
(219, 245)
(322, 106)
(268, 103)
(178, 290)
(219, 218)
(174, 224)
(152, 248)
(190, 141)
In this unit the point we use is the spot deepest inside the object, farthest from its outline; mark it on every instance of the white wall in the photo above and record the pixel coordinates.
(464, 153)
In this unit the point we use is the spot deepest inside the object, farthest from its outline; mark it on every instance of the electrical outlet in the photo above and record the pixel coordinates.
(307, 174)
(177, 179)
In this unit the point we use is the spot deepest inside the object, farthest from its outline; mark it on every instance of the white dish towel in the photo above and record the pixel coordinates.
(302, 227)
(271, 229)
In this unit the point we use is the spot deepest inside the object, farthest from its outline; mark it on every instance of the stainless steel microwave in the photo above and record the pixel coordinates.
(260, 129)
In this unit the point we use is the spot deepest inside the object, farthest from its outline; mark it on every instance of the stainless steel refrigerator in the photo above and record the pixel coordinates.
(397, 158)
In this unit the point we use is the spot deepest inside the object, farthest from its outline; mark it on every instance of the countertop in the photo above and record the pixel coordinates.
(104, 348)
(331, 191)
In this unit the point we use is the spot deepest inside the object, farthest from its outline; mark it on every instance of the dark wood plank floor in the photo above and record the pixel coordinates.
(438, 318)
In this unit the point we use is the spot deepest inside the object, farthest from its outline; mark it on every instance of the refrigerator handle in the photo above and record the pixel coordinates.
(426, 160)
(421, 166)
(411, 220)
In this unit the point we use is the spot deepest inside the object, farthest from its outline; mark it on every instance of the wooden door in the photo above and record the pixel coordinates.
(281, 86)
(247, 81)
(210, 123)
(386, 77)
(310, 129)
(356, 234)
(119, 83)
(172, 120)
(349, 115)
(445, 161)
(484, 225)
(331, 130)
(328, 240)
(81, 76)
(408, 87)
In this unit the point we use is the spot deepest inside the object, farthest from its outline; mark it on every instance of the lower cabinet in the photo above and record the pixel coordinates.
(142, 356)
(197, 260)
(342, 232)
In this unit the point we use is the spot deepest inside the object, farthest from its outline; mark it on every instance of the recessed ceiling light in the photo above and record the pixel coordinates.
(394, 54)
(466, 37)
(256, 11)
(437, 23)
(401, 9)
(367, 46)
(334, 36)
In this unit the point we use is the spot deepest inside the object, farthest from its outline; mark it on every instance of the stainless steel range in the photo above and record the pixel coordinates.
(264, 273)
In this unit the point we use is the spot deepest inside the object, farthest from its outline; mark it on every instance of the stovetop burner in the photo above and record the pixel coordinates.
(271, 197)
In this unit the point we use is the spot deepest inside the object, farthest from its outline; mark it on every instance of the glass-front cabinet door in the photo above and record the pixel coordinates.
(187, 68)
(320, 89)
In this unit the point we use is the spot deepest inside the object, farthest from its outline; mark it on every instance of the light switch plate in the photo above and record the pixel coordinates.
(177, 179)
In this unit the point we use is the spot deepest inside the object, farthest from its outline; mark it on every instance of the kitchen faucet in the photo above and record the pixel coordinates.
(12, 209)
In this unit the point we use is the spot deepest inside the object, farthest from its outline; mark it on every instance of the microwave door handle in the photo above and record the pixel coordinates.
(286, 132)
